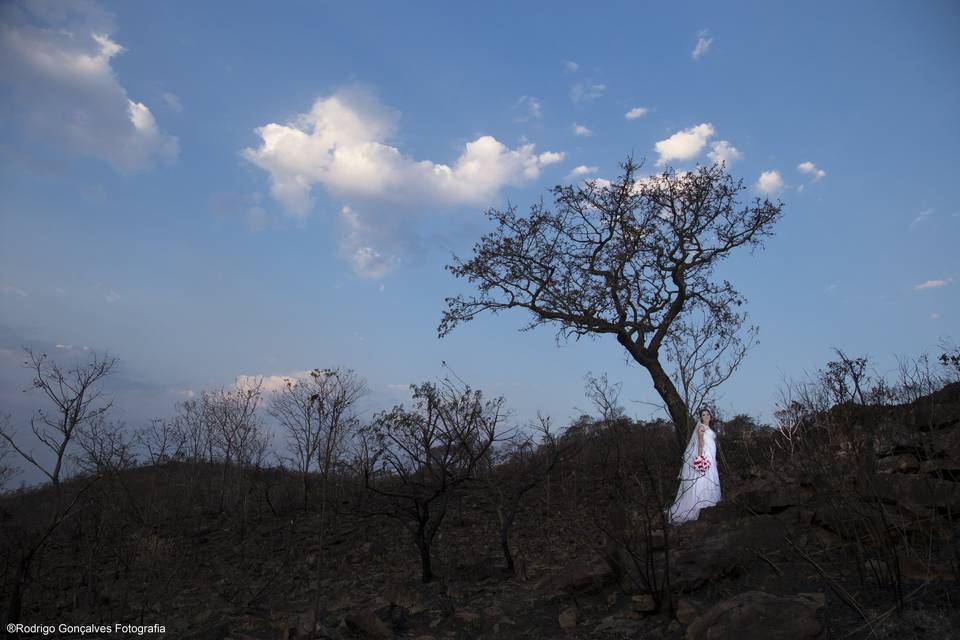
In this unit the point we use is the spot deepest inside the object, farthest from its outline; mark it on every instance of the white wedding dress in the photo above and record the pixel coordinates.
(696, 490)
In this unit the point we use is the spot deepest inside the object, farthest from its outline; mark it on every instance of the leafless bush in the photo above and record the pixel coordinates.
(513, 470)
(415, 460)
(833, 432)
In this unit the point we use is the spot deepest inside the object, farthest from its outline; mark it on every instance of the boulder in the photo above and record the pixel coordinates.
(582, 575)
(367, 624)
(758, 615)
(900, 463)
(567, 618)
(687, 610)
(643, 602)
(915, 491)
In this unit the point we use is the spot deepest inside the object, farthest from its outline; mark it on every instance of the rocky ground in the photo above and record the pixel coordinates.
(777, 558)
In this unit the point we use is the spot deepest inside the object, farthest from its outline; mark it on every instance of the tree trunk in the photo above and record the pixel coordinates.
(675, 404)
(506, 521)
(425, 564)
(306, 490)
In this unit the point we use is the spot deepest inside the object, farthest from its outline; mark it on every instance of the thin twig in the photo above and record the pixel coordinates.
(760, 555)
(886, 613)
(837, 588)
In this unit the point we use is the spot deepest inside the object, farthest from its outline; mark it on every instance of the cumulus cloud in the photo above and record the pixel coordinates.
(769, 183)
(57, 60)
(684, 145)
(724, 152)
(703, 44)
(933, 284)
(812, 169)
(581, 130)
(581, 170)
(571, 66)
(586, 91)
(341, 144)
(636, 112)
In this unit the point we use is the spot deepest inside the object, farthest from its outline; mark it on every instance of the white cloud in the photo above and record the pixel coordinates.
(58, 62)
(9, 289)
(582, 170)
(810, 168)
(923, 215)
(636, 112)
(684, 145)
(373, 250)
(703, 45)
(769, 183)
(581, 130)
(571, 66)
(270, 384)
(724, 152)
(586, 92)
(934, 316)
(831, 288)
(531, 106)
(933, 284)
(341, 145)
(172, 100)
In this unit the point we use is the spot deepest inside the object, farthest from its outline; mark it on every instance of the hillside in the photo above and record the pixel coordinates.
(821, 543)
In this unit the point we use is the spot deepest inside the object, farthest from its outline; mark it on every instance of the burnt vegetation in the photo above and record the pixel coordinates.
(442, 514)
(288, 513)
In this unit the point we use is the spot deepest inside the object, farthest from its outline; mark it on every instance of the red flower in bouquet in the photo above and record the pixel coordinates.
(701, 464)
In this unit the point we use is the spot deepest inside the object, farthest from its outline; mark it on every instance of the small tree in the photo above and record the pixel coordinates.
(235, 429)
(517, 468)
(334, 394)
(631, 258)
(76, 397)
(296, 408)
(429, 452)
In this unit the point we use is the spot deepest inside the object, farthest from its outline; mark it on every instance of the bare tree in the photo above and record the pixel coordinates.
(106, 446)
(846, 378)
(605, 395)
(297, 412)
(429, 452)
(704, 352)
(77, 398)
(628, 258)
(335, 395)
(613, 421)
(518, 468)
(165, 439)
(7, 470)
(234, 427)
(950, 359)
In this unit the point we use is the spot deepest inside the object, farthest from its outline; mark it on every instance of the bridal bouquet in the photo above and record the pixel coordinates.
(701, 464)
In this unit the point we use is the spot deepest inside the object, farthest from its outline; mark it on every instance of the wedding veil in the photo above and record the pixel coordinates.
(689, 451)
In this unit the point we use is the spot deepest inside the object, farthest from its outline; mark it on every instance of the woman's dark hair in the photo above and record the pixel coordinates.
(702, 409)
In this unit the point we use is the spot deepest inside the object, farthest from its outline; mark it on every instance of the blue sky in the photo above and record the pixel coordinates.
(214, 190)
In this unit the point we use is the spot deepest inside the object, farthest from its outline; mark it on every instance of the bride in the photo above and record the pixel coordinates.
(698, 489)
